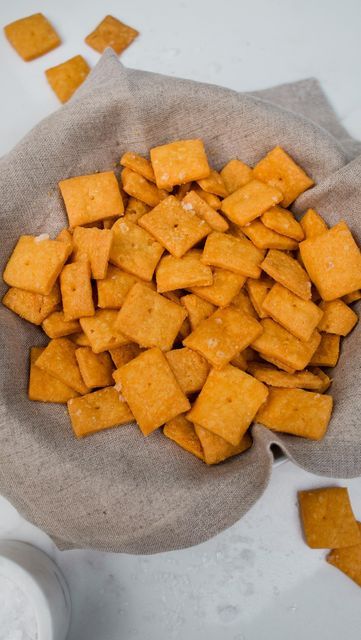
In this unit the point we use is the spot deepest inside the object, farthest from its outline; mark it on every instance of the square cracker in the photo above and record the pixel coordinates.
(149, 319)
(183, 273)
(288, 272)
(66, 77)
(151, 390)
(110, 32)
(211, 199)
(234, 254)
(282, 221)
(348, 560)
(299, 317)
(91, 197)
(96, 368)
(35, 264)
(193, 202)
(97, 411)
(55, 325)
(76, 291)
(175, 228)
(125, 353)
(272, 377)
(277, 343)
(134, 250)
(179, 162)
(93, 245)
(113, 289)
(102, 332)
(214, 184)
(250, 201)
(138, 164)
(197, 309)
(58, 359)
(228, 403)
(236, 174)
(223, 335)
(190, 369)
(43, 387)
(257, 291)
(327, 518)
(265, 238)
(327, 352)
(295, 411)
(333, 262)
(226, 285)
(313, 224)
(32, 36)
(33, 307)
(279, 170)
(337, 318)
(135, 209)
(137, 186)
(182, 432)
(216, 449)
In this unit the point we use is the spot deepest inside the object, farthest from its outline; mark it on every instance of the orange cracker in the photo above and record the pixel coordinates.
(55, 325)
(91, 198)
(113, 289)
(33, 307)
(93, 245)
(288, 272)
(182, 432)
(299, 317)
(214, 184)
(134, 250)
(138, 164)
(190, 369)
(135, 209)
(175, 228)
(257, 291)
(325, 380)
(179, 162)
(183, 273)
(337, 318)
(228, 403)
(295, 411)
(139, 187)
(227, 252)
(96, 368)
(76, 291)
(80, 339)
(35, 264)
(197, 309)
(43, 387)
(110, 32)
(149, 319)
(32, 36)
(98, 410)
(239, 361)
(272, 377)
(279, 171)
(242, 301)
(58, 359)
(66, 77)
(327, 518)
(216, 449)
(211, 199)
(226, 285)
(313, 224)
(327, 352)
(354, 296)
(277, 343)
(333, 262)
(276, 363)
(102, 331)
(250, 202)
(236, 174)
(265, 238)
(125, 353)
(151, 390)
(282, 221)
(193, 202)
(223, 335)
(348, 560)
(65, 236)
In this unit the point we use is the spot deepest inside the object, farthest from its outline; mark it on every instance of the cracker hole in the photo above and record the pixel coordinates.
(229, 400)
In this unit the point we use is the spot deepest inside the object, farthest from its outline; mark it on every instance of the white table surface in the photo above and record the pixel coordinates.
(257, 580)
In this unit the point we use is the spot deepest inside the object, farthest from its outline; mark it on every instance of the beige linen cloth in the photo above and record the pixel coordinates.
(117, 490)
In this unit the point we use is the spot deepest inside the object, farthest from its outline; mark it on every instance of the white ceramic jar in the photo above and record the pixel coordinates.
(39, 578)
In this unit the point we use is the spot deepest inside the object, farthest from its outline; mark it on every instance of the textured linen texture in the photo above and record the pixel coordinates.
(117, 490)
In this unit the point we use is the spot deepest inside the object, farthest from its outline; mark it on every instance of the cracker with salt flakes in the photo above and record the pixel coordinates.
(98, 410)
(90, 198)
(183, 273)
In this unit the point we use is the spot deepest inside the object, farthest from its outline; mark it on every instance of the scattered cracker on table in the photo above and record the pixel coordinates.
(110, 32)
(348, 560)
(66, 77)
(197, 292)
(32, 36)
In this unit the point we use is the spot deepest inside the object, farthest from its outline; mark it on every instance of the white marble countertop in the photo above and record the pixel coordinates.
(257, 580)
